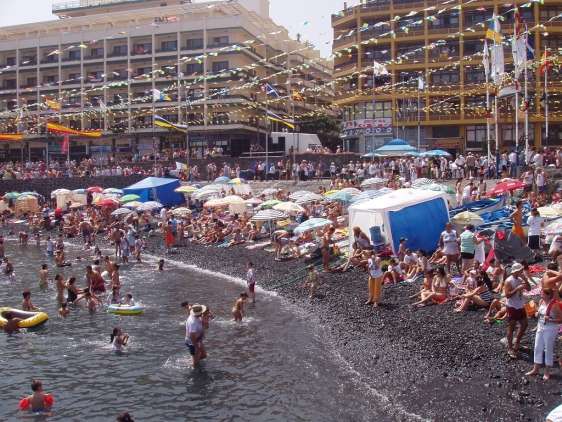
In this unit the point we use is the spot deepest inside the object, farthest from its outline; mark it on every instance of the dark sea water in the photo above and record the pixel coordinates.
(275, 366)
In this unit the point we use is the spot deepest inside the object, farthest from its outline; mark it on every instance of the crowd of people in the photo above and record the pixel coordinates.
(460, 270)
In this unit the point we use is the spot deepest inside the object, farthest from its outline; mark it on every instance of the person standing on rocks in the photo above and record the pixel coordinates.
(515, 304)
(375, 280)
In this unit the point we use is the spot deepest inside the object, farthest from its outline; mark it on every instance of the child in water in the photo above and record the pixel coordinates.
(161, 265)
(238, 308)
(128, 300)
(43, 275)
(63, 310)
(38, 401)
(118, 340)
(26, 304)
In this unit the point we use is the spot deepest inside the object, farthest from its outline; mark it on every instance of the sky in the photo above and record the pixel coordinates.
(310, 18)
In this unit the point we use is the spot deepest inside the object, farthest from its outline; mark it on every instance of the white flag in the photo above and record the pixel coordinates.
(519, 51)
(486, 60)
(156, 95)
(379, 69)
(421, 83)
(498, 62)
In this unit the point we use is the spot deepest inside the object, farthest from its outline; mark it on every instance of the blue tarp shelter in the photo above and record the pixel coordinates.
(157, 189)
(417, 215)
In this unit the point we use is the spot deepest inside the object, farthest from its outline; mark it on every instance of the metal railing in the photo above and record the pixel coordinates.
(78, 4)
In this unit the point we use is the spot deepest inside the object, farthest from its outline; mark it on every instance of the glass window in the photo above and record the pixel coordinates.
(220, 66)
(192, 68)
(194, 44)
(169, 45)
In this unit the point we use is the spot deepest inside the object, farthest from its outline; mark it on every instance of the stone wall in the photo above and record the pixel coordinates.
(46, 186)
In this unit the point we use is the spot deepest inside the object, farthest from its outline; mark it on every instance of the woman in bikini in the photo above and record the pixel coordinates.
(439, 292)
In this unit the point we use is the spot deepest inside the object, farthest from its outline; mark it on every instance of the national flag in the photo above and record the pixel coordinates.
(63, 130)
(65, 144)
(11, 136)
(158, 95)
(269, 90)
(163, 123)
(486, 60)
(53, 105)
(296, 95)
(498, 63)
(546, 62)
(494, 33)
(519, 44)
(276, 118)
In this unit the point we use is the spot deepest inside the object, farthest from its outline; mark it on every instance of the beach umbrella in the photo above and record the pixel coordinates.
(76, 205)
(309, 197)
(553, 228)
(550, 212)
(26, 197)
(37, 195)
(222, 180)
(11, 195)
(206, 194)
(506, 186)
(120, 212)
(253, 201)
(268, 215)
(128, 198)
(132, 205)
(369, 194)
(107, 202)
(298, 194)
(288, 207)
(79, 191)
(466, 217)
(269, 204)
(436, 153)
(353, 191)
(312, 224)
(421, 182)
(186, 189)
(331, 192)
(181, 212)
(150, 206)
(436, 187)
(237, 181)
(341, 196)
(113, 191)
(95, 189)
(269, 192)
(57, 192)
(373, 181)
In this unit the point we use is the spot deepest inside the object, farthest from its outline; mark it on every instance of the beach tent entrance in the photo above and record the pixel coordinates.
(417, 215)
(157, 189)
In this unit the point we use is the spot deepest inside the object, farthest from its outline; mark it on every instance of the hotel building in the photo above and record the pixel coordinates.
(111, 64)
(441, 41)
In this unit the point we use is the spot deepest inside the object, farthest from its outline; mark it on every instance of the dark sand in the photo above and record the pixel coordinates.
(434, 363)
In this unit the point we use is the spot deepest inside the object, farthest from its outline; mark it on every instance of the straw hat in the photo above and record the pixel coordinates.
(198, 310)
(516, 267)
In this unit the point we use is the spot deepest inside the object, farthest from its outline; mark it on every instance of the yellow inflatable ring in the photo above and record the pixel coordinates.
(125, 309)
(28, 319)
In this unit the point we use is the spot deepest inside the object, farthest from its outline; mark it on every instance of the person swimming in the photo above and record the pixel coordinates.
(26, 304)
(161, 265)
(128, 300)
(43, 276)
(72, 290)
(38, 401)
(11, 326)
(238, 308)
(118, 340)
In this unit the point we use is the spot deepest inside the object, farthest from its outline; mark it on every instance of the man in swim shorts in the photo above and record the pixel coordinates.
(251, 281)
(194, 334)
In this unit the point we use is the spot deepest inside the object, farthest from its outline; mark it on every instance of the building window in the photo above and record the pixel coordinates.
(476, 134)
(49, 79)
(119, 50)
(220, 66)
(74, 77)
(74, 55)
(445, 78)
(142, 48)
(31, 82)
(474, 76)
(96, 53)
(220, 41)
(169, 45)
(192, 68)
(383, 109)
(507, 134)
(446, 132)
(11, 61)
(10, 84)
(194, 44)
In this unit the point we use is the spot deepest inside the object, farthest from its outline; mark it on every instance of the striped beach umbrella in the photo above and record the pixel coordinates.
(268, 215)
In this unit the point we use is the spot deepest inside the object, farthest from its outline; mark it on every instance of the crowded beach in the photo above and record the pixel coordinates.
(469, 246)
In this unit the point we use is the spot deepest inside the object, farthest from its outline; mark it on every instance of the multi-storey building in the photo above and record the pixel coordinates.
(112, 64)
(442, 42)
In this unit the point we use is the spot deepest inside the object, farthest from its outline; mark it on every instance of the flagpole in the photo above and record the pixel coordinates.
(546, 97)
(419, 117)
(497, 133)
(516, 127)
(486, 64)
(526, 94)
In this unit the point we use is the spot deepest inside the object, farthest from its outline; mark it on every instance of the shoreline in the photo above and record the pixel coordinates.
(429, 362)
